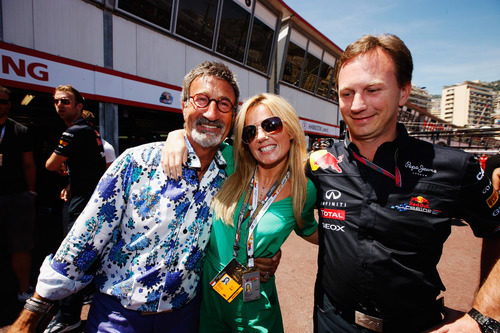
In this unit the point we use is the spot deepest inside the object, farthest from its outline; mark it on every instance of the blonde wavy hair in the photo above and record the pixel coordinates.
(226, 200)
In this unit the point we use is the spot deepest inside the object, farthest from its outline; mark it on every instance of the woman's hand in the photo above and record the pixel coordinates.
(174, 154)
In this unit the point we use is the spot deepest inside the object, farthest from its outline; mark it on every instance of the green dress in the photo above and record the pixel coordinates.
(262, 315)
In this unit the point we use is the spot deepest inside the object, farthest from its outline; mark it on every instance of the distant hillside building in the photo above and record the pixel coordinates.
(436, 106)
(468, 104)
(420, 97)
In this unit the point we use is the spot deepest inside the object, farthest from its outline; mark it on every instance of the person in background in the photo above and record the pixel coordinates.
(109, 151)
(17, 194)
(80, 154)
(256, 209)
(386, 202)
(141, 238)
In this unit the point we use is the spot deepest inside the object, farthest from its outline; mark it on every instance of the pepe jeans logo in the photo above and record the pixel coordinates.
(419, 170)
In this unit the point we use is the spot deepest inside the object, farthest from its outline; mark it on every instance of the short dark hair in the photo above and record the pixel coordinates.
(69, 88)
(211, 68)
(5, 91)
(391, 44)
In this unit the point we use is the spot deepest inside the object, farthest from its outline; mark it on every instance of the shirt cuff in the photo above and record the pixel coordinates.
(54, 286)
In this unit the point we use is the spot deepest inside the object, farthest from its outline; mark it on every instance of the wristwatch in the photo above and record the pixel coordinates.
(487, 324)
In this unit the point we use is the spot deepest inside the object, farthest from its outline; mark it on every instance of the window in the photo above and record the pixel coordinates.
(196, 20)
(158, 12)
(325, 76)
(233, 32)
(312, 70)
(293, 65)
(261, 41)
(310, 76)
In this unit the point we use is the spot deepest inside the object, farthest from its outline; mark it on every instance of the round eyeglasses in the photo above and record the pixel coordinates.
(202, 101)
(271, 125)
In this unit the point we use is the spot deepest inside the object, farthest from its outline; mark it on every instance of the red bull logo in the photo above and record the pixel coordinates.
(324, 160)
(419, 202)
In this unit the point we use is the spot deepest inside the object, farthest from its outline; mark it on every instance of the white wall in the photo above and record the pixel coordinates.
(74, 29)
(310, 107)
(141, 51)
(67, 28)
(16, 31)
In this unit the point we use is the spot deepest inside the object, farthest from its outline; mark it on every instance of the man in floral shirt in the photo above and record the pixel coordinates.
(142, 236)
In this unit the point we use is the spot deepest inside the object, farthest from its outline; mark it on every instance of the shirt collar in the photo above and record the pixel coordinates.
(193, 160)
(400, 141)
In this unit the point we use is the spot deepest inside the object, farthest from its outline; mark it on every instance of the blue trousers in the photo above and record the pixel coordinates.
(107, 315)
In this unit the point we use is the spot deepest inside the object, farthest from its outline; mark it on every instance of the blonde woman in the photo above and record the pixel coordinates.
(266, 197)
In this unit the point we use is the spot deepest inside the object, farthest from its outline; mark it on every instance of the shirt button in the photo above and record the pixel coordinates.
(364, 265)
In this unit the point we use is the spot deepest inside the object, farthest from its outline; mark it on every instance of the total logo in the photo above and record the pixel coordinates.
(333, 214)
(417, 204)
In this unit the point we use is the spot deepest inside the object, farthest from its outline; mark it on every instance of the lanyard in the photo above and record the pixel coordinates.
(396, 176)
(3, 132)
(257, 210)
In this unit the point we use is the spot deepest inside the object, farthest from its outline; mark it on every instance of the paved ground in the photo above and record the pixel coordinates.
(459, 269)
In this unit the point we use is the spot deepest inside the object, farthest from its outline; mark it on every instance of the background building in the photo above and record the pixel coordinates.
(420, 97)
(129, 57)
(436, 106)
(468, 104)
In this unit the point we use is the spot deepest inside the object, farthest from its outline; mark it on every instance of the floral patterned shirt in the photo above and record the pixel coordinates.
(142, 237)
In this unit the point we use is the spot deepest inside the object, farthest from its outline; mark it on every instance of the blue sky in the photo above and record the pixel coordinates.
(451, 40)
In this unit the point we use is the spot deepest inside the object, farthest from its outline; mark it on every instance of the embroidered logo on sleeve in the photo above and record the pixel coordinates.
(417, 204)
(493, 199)
(324, 160)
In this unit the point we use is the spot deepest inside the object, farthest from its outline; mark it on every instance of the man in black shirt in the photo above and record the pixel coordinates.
(386, 202)
(79, 153)
(17, 193)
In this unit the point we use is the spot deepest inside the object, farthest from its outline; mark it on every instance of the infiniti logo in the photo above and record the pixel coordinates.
(332, 194)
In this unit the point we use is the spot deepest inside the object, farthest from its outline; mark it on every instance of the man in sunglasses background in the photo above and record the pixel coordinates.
(17, 194)
(142, 237)
(81, 153)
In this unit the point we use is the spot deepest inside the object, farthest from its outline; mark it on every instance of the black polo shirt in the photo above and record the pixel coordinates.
(82, 145)
(15, 142)
(380, 243)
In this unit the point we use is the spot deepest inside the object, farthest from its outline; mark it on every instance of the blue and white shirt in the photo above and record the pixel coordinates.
(141, 237)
